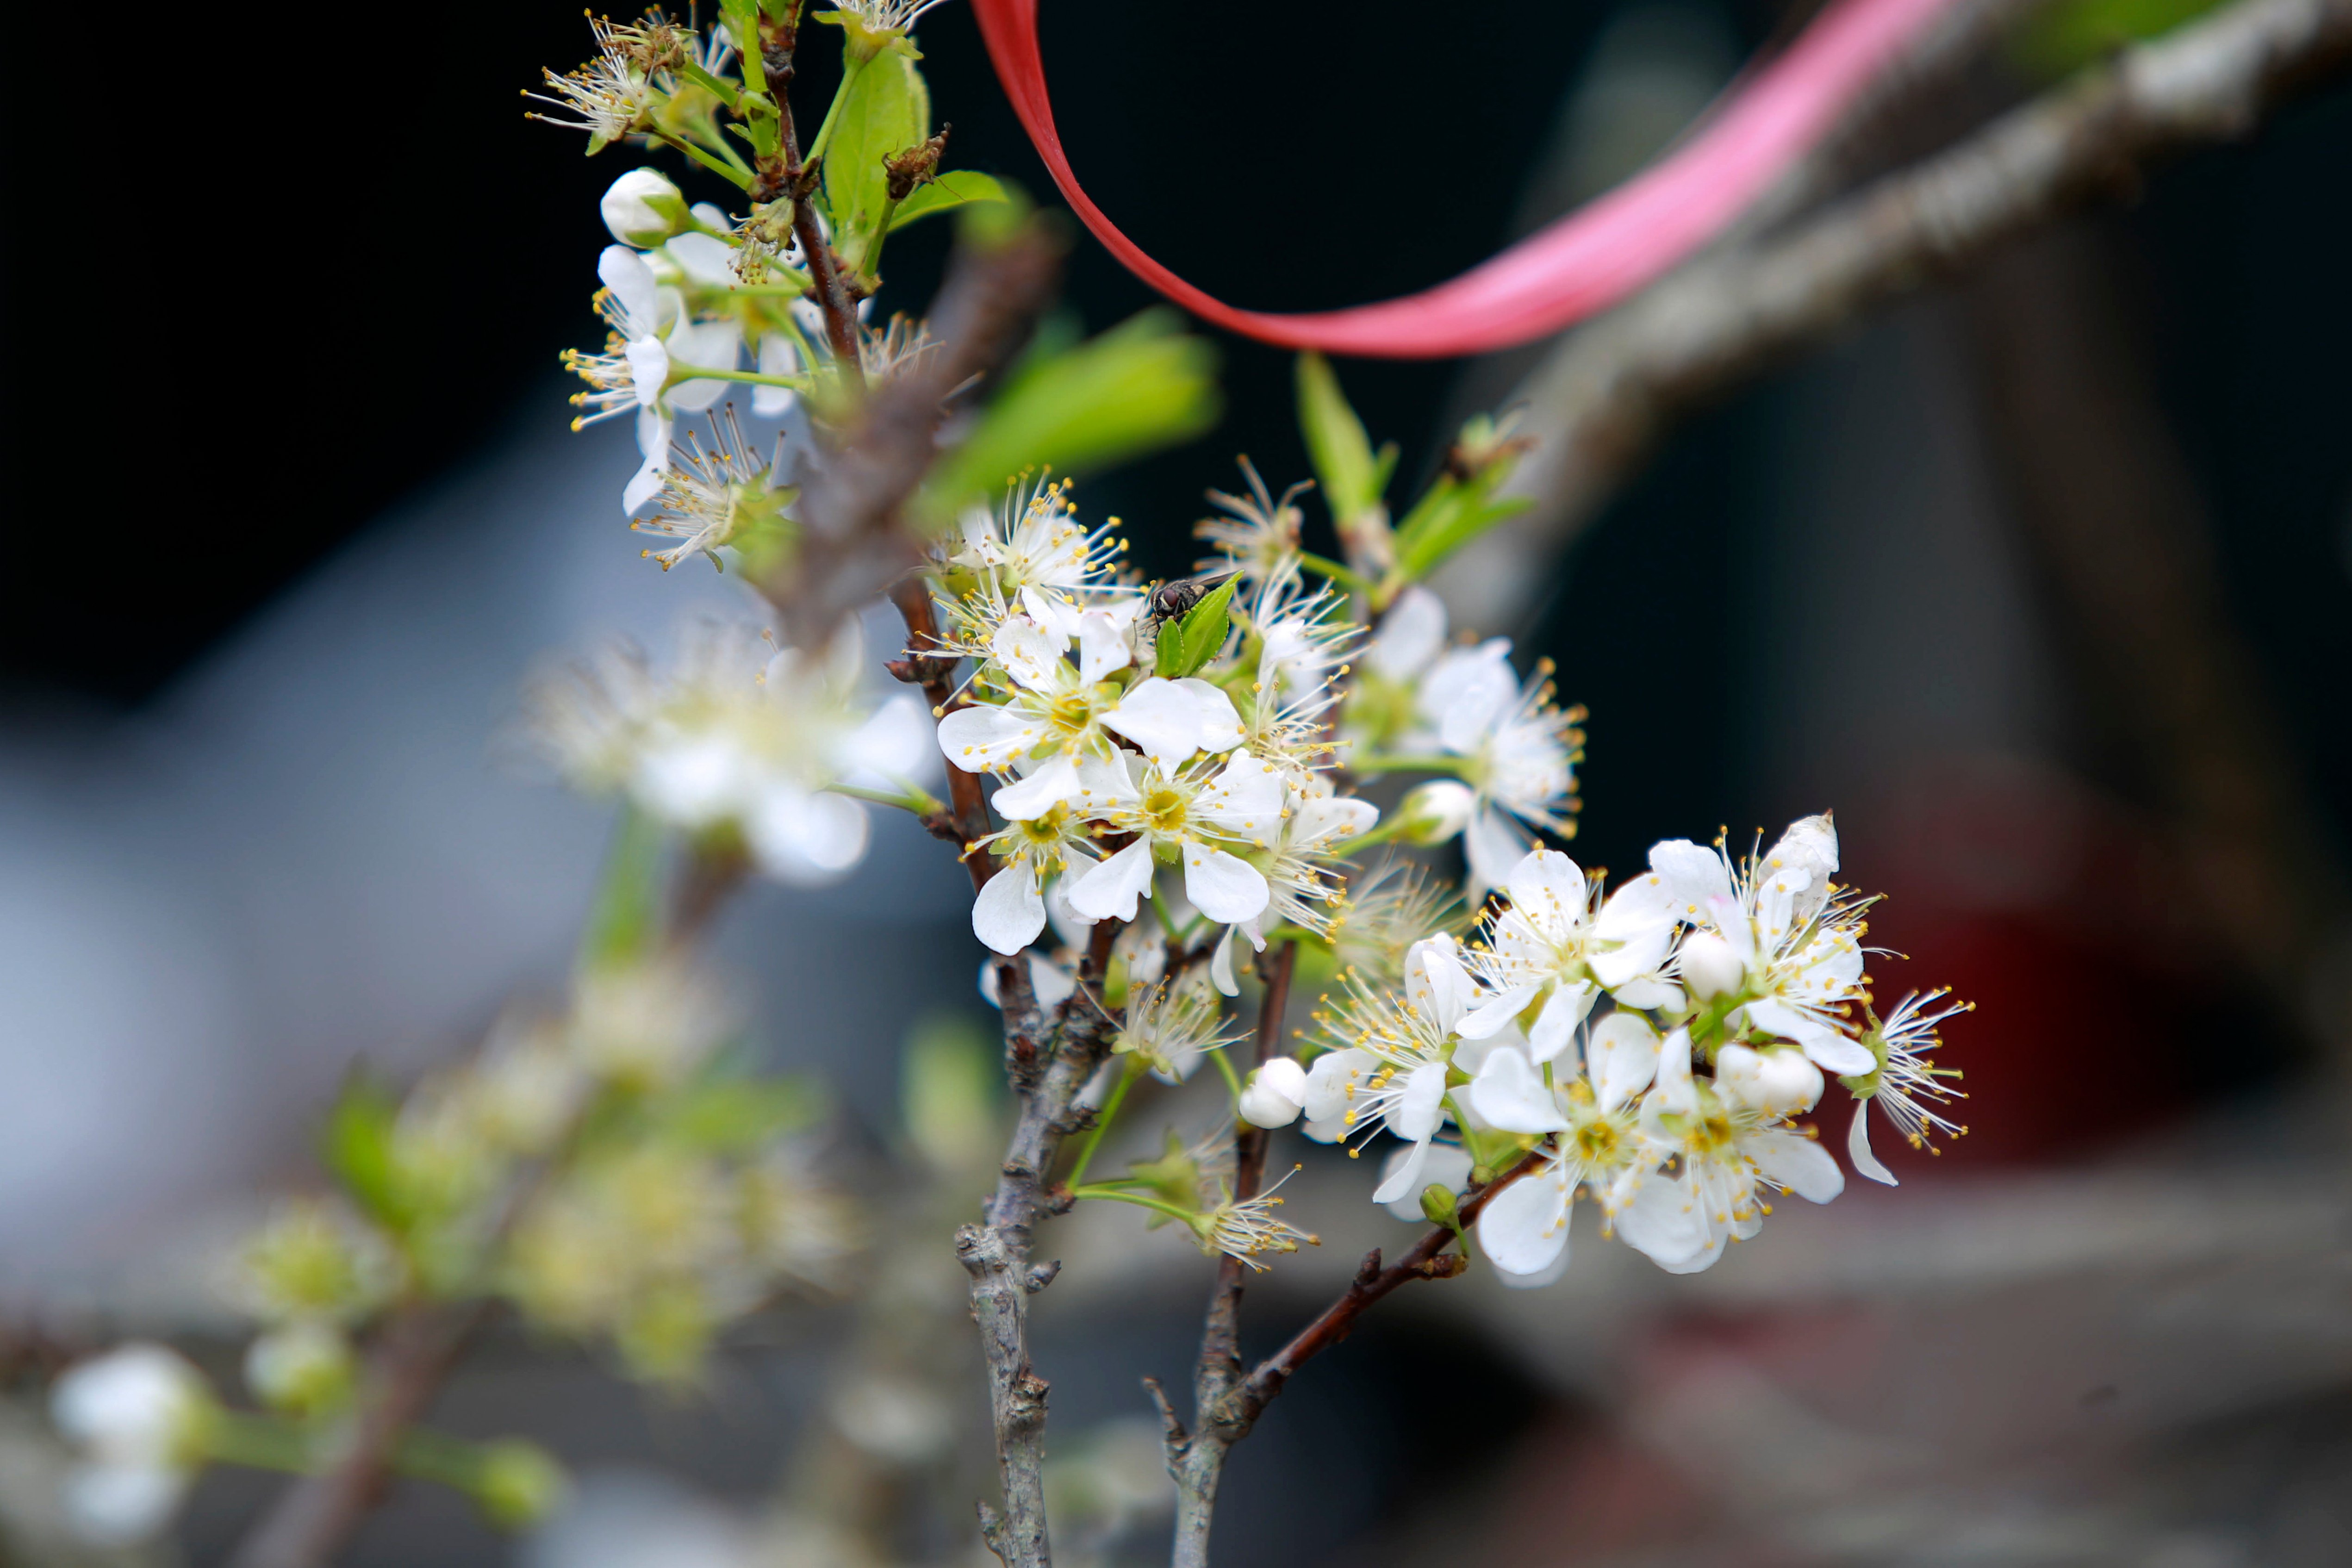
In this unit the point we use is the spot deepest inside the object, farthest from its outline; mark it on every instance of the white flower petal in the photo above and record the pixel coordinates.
(1162, 717)
(1225, 887)
(1692, 876)
(1415, 1113)
(1793, 1160)
(1493, 844)
(1010, 910)
(1508, 1093)
(1040, 793)
(1444, 1165)
(1404, 1179)
(634, 288)
(1523, 1229)
(1332, 1080)
(777, 357)
(1434, 979)
(1412, 634)
(982, 739)
(1111, 890)
(806, 840)
(1496, 1014)
(1665, 1223)
(1857, 1147)
(1555, 1027)
(1623, 1055)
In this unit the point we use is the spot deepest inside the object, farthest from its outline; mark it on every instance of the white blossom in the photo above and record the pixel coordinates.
(136, 1414)
(1556, 947)
(1906, 1083)
(1192, 813)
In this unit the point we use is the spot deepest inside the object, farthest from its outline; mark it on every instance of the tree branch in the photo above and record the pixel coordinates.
(1606, 396)
(1197, 1459)
(1197, 1465)
(995, 1252)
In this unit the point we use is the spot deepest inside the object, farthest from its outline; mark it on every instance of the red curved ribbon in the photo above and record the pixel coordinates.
(1577, 265)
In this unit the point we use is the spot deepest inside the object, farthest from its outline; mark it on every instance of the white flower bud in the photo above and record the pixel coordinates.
(1710, 965)
(1436, 812)
(141, 1401)
(1779, 1080)
(1275, 1093)
(642, 208)
(301, 1368)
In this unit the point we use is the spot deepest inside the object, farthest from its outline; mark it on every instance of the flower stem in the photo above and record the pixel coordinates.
(680, 373)
(739, 178)
(1127, 1076)
(1401, 763)
(1323, 566)
(1110, 1193)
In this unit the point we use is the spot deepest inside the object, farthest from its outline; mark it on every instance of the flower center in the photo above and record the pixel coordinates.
(1163, 808)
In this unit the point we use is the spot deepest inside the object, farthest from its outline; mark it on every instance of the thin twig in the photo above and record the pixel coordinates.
(1197, 1458)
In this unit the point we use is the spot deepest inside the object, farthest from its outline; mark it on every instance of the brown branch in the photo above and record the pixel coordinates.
(1197, 1465)
(414, 1355)
(1228, 1406)
(995, 1252)
(1603, 399)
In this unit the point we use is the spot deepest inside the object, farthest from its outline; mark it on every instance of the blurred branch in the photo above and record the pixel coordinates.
(414, 1355)
(855, 544)
(1606, 396)
(2115, 526)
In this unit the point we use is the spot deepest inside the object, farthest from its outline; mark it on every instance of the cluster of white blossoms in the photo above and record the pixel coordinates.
(772, 747)
(1649, 1050)
(1158, 750)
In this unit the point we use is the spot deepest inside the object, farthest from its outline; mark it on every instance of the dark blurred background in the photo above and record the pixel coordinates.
(2043, 580)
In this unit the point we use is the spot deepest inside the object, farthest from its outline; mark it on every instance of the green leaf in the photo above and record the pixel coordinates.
(1171, 657)
(1460, 514)
(737, 1115)
(624, 917)
(2057, 40)
(950, 190)
(356, 1145)
(1201, 633)
(885, 109)
(1142, 385)
(1352, 476)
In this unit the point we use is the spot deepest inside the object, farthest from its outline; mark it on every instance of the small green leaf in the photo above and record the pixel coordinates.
(1170, 659)
(1142, 385)
(1461, 518)
(885, 109)
(1202, 630)
(950, 190)
(1351, 475)
(624, 917)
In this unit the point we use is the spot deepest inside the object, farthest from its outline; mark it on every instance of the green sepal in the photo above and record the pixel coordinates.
(1199, 635)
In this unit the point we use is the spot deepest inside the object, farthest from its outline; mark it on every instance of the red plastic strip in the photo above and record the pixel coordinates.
(1579, 266)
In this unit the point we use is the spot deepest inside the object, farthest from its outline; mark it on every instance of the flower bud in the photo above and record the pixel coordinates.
(1711, 967)
(1779, 1080)
(1275, 1093)
(302, 1369)
(519, 1484)
(643, 208)
(1436, 812)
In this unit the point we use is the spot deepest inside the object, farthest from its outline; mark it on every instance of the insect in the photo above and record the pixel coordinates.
(1170, 601)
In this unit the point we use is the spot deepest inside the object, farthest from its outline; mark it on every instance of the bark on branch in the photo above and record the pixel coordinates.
(1232, 1405)
(995, 1252)
(1606, 394)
